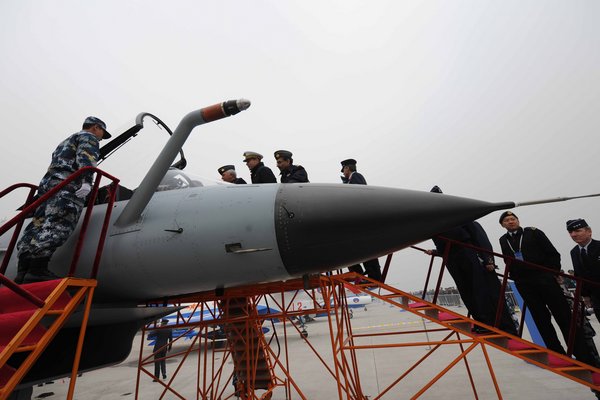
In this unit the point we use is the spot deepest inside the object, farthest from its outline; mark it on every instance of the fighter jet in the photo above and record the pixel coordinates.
(177, 235)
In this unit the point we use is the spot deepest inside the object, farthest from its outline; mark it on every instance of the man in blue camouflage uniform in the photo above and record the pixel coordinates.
(54, 221)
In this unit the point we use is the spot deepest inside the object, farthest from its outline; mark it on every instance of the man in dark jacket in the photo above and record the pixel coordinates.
(474, 273)
(228, 174)
(372, 267)
(259, 173)
(350, 174)
(586, 261)
(163, 339)
(540, 290)
(290, 173)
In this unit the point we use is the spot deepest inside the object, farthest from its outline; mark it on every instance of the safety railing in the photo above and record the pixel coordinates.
(18, 224)
(30, 206)
(509, 261)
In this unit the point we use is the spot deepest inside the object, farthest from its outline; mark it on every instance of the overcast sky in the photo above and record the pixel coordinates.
(493, 100)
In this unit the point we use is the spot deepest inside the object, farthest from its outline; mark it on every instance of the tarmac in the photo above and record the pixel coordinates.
(378, 367)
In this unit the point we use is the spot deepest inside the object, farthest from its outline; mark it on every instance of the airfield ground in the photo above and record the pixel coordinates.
(378, 368)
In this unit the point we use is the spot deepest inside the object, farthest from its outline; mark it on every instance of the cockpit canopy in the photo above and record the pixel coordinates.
(176, 179)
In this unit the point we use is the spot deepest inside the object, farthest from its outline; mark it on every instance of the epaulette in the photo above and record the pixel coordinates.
(533, 228)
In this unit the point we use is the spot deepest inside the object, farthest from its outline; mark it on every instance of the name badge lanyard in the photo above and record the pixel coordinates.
(518, 254)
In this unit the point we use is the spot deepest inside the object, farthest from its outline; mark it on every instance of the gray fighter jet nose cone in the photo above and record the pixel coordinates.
(323, 227)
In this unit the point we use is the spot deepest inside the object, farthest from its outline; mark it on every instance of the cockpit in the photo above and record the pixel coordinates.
(176, 179)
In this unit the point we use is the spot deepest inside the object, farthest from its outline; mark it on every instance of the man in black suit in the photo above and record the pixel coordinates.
(586, 261)
(372, 267)
(350, 174)
(540, 290)
(474, 273)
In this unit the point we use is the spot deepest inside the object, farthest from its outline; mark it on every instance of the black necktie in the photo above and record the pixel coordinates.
(514, 241)
(584, 257)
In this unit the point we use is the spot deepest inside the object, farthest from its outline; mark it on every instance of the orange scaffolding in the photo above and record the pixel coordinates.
(218, 366)
(33, 314)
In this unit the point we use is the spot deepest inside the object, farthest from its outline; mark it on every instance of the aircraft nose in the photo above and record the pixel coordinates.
(324, 227)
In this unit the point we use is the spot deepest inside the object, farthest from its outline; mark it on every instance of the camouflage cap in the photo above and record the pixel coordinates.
(97, 121)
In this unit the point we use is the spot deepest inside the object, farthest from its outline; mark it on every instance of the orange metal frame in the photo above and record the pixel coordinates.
(578, 304)
(458, 325)
(45, 308)
(214, 372)
(85, 290)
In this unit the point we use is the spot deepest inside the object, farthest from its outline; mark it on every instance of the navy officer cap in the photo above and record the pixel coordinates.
(226, 168)
(283, 153)
(574, 224)
(248, 155)
(507, 214)
(97, 121)
(350, 161)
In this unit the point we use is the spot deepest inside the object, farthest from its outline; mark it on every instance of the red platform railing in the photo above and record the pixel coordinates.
(508, 260)
(30, 206)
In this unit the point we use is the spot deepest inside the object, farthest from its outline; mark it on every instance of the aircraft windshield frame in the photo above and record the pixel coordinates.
(176, 179)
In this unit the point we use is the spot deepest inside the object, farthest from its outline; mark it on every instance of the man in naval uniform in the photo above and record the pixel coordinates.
(55, 220)
(474, 273)
(259, 172)
(540, 290)
(228, 174)
(290, 173)
(349, 173)
(350, 176)
(586, 261)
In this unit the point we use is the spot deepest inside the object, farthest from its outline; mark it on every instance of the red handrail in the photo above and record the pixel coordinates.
(27, 295)
(31, 206)
(508, 260)
(13, 239)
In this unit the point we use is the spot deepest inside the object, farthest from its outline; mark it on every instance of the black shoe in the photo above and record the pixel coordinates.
(164, 377)
(22, 268)
(40, 276)
(38, 271)
(154, 380)
(480, 330)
